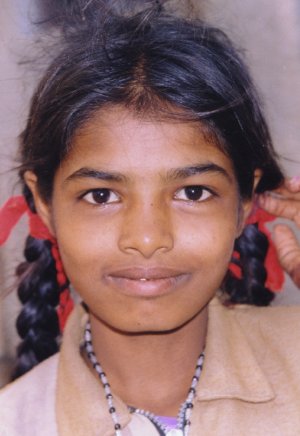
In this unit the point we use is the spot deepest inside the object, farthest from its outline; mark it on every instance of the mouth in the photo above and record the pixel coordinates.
(147, 282)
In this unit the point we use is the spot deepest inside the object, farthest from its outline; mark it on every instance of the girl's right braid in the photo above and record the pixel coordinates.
(38, 291)
(252, 247)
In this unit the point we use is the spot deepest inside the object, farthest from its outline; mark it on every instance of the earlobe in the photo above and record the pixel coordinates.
(247, 205)
(43, 209)
(257, 176)
(245, 211)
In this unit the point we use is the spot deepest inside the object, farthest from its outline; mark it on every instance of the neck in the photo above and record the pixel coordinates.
(151, 371)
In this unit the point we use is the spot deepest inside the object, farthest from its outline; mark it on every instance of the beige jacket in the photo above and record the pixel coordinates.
(250, 384)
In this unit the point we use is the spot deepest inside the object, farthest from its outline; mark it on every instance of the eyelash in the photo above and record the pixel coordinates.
(108, 196)
(196, 191)
(105, 193)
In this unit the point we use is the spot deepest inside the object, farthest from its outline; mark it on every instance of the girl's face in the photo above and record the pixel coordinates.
(145, 214)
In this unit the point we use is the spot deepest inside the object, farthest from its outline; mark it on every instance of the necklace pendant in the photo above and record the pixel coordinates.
(174, 432)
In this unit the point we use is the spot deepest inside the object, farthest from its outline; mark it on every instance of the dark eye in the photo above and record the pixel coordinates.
(101, 196)
(193, 193)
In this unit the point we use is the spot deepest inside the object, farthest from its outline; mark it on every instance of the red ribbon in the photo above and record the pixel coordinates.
(10, 214)
(275, 274)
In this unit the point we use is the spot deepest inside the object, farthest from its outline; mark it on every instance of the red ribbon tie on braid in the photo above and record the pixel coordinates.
(275, 274)
(10, 214)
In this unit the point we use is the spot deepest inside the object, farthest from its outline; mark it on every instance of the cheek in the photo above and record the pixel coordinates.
(84, 248)
(210, 238)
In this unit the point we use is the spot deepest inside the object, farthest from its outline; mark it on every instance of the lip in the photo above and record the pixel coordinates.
(147, 282)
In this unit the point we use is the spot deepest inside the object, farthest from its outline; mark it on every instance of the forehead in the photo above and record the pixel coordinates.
(116, 138)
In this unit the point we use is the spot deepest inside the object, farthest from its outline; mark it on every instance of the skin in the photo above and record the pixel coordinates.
(148, 260)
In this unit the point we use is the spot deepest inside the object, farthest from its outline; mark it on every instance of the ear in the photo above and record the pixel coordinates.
(247, 205)
(43, 209)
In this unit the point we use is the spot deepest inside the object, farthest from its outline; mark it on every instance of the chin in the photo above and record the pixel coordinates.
(144, 326)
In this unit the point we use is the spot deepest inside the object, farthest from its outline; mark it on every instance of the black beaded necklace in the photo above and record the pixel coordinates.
(183, 418)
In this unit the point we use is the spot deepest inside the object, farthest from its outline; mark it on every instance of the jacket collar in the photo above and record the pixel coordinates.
(230, 367)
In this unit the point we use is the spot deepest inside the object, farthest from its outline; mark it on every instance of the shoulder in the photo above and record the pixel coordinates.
(273, 319)
(27, 406)
(272, 331)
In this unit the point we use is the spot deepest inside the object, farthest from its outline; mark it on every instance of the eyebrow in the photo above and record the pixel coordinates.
(91, 173)
(185, 172)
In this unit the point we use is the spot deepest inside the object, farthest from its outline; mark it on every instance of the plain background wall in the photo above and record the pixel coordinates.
(16, 84)
(268, 30)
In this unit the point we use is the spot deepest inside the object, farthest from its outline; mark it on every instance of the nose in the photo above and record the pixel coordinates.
(146, 229)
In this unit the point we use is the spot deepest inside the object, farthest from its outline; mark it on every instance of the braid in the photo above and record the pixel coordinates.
(252, 247)
(38, 291)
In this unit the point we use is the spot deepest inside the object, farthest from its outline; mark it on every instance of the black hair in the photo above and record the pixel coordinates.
(155, 65)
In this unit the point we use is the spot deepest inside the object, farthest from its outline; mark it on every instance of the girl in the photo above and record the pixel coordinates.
(144, 147)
